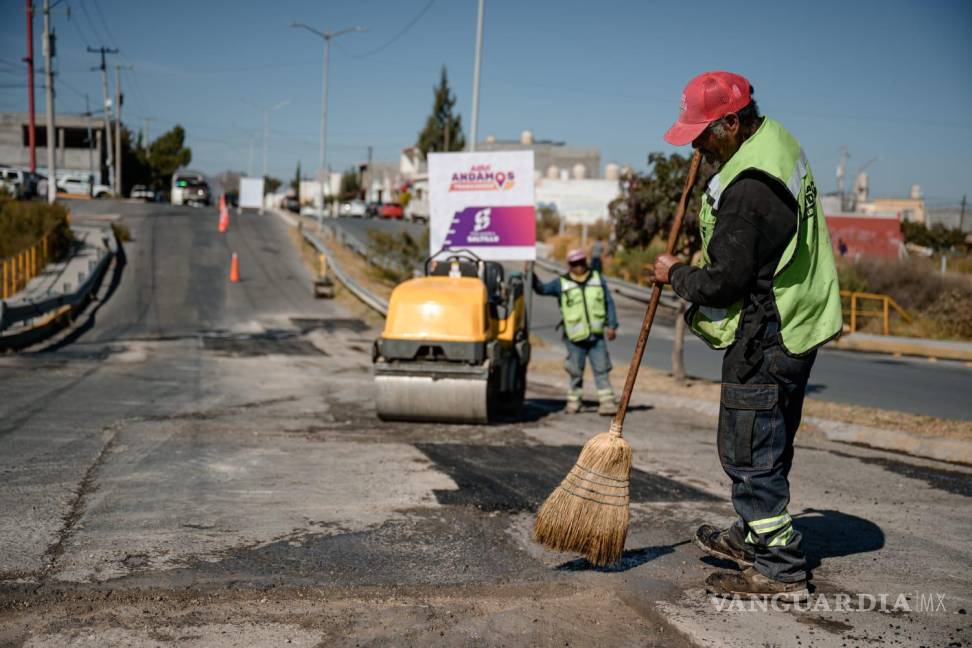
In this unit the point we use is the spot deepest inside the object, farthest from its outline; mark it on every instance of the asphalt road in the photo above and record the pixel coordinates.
(201, 465)
(912, 385)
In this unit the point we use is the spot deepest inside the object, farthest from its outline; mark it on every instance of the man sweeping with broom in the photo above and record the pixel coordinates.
(766, 292)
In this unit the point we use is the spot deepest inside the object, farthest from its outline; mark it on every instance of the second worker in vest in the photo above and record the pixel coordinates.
(766, 292)
(588, 318)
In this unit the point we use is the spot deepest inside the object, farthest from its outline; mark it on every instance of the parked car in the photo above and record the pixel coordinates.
(371, 209)
(80, 184)
(143, 193)
(353, 208)
(291, 204)
(391, 210)
(19, 183)
(313, 211)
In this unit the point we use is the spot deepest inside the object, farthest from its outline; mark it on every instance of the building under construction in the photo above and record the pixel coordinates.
(79, 145)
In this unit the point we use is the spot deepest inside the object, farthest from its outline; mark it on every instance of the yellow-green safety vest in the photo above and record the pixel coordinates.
(805, 290)
(583, 307)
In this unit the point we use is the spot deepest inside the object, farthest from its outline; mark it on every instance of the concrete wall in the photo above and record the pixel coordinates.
(72, 131)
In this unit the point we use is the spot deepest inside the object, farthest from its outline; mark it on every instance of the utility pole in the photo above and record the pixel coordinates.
(31, 125)
(475, 97)
(327, 36)
(87, 121)
(962, 216)
(119, 98)
(145, 129)
(49, 97)
(841, 172)
(104, 86)
(266, 133)
(370, 176)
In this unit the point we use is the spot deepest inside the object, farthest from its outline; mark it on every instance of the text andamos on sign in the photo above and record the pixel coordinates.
(481, 177)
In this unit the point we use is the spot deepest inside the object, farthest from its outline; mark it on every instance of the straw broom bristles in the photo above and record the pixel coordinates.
(588, 512)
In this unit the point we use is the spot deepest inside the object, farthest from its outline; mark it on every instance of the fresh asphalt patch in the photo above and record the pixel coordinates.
(950, 481)
(271, 342)
(515, 478)
(329, 324)
(427, 546)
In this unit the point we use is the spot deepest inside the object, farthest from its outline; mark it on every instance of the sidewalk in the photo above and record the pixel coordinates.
(59, 289)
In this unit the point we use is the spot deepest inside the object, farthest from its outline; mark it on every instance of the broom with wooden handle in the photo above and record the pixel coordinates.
(588, 512)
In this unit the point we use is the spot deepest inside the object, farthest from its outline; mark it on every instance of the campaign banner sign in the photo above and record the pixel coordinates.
(483, 202)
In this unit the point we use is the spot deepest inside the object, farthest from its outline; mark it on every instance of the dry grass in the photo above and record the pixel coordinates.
(940, 306)
(24, 223)
(588, 512)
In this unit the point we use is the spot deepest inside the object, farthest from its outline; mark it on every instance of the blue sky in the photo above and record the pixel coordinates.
(890, 80)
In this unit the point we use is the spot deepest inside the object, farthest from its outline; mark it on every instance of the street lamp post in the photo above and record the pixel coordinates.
(474, 124)
(327, 36)
(266, 133)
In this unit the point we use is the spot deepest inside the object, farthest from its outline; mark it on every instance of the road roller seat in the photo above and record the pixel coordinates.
(490, 272)
(444, 268)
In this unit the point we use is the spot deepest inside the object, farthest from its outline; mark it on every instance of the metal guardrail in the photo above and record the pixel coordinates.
(16, 271)
(25, 312)
(856, 313)
(620, 286)
(367, 297)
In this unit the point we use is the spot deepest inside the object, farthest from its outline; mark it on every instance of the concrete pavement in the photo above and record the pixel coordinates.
(203, 465)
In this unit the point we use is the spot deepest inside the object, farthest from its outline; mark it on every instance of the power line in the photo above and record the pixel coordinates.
(104, 22)
(87, 17)
(77, 30)
(402, 32)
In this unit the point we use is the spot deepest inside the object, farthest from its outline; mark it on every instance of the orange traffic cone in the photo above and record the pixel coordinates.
(223, 214)
(234, 269)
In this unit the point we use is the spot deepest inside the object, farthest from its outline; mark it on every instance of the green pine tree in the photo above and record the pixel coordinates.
(443, 128)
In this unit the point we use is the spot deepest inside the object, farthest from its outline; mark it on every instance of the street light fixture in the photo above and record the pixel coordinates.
(327, 36)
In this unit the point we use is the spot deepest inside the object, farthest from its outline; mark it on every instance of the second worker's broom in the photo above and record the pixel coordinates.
(588, 512)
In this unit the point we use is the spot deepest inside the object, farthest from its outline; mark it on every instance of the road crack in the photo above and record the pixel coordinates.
(70, 520)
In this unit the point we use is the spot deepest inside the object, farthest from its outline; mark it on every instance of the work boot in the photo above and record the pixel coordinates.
(607, 405)
(750, 584)
(720, 543)
(573, 406)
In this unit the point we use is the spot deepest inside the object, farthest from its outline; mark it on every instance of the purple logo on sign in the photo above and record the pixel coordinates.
(492, 226)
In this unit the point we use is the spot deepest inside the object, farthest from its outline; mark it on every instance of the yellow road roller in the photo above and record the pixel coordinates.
(455, 347)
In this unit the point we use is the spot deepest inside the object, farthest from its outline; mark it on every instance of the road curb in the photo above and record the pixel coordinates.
(941, 449)
(938, 349)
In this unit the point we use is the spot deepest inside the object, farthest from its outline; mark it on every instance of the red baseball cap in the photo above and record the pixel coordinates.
(706, 98)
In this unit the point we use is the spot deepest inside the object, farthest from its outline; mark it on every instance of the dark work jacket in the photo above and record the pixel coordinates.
(755, 221)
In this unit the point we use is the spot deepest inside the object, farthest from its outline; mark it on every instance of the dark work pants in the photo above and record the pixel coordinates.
(762, 400)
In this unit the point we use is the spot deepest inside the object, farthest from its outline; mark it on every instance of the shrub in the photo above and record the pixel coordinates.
(548, 223)
(24, 223)
(396, 257)
(940, 306)
(937, 237)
